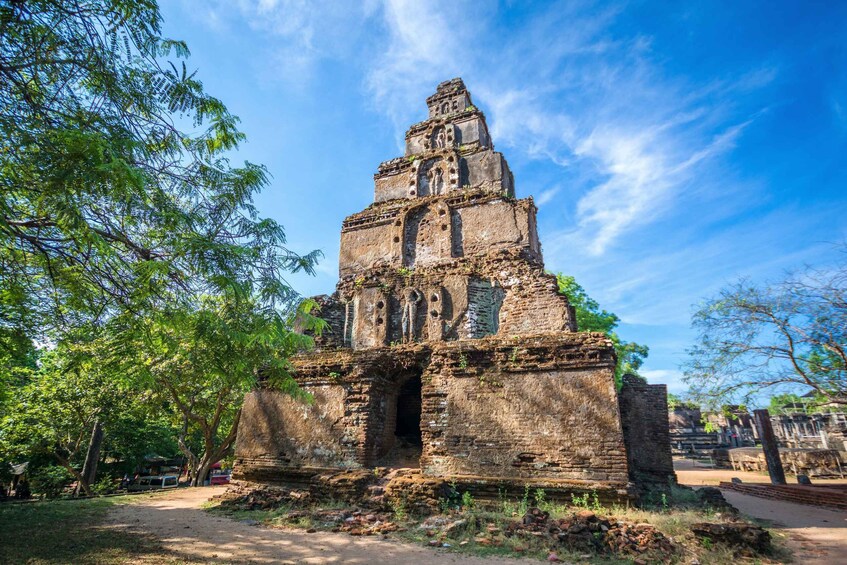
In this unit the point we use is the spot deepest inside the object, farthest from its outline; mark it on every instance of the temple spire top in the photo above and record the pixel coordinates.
(451, 96)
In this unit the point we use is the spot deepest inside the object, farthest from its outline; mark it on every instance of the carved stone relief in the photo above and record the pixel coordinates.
(409, 317)
(485, 298)
(435, 315)
(427, 235)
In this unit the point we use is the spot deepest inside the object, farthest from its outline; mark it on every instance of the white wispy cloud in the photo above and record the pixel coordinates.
(546, 196)
(299, 33)
(426, 43)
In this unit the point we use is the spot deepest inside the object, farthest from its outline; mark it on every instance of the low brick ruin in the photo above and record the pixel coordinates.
(449, 348)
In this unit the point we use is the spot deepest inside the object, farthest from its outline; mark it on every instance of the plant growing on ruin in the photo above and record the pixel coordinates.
(398, 506)
(514, 356)
(468, 502)
(463, 361)
(580, 501)
(540, 498)
(405, 272)
(591, 318)
(524, 504)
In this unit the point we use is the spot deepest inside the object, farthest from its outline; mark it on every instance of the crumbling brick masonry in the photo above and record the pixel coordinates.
(449, 348)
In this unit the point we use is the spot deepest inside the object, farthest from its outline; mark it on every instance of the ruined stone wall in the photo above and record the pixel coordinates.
(499, 293)
(437, 230)
(291, 432)
(536, 408)
(644, 415)
(495, 408)
(334, 313)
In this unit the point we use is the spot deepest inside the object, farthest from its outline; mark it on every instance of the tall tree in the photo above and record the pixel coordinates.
(115, 187)
(786, 336)
(121, 210)
(200, 362)
(591, 318)
(55, 412)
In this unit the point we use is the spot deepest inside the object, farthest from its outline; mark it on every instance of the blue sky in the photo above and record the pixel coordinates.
(671, 147)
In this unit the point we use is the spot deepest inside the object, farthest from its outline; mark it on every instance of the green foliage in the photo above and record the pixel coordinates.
(106, 485)
(784, 337)
(50, 481)
(468, 502)
(779, 403)
(49, 419)
(130, 244)
(198, 364)
(590, 502)
(675, 402)
(105, 204)
(398, 506)
(540, 498)
(591, 318)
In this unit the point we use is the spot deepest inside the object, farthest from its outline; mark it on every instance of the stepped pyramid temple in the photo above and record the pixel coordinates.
(449, 353)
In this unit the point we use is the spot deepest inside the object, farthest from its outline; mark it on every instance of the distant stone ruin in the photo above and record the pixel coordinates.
(449, 348)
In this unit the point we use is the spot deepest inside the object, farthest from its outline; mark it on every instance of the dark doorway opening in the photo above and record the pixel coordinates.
(408, 430)
(402, 444)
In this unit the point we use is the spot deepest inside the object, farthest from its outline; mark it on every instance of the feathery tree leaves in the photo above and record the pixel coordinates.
(199, 364)
(115, 185)
(129, 241)
(590, 318)
(786, 337)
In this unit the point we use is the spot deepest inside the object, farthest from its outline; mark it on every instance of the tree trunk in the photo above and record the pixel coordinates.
(89, 468)
(191, 461)
(76, 474)
(769, 446)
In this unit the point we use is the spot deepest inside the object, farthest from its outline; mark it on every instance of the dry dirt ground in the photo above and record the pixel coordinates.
(816, 535)
(188, 533)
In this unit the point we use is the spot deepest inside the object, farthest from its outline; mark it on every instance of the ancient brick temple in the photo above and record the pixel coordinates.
(449, 348)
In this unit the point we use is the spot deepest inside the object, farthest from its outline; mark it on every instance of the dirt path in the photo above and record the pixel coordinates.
(696, 474)
(818, 536)
(188, 533)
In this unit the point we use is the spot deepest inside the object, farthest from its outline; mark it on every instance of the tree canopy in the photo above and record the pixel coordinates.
(130, 247)
(789, 336)
(591, 318)
(116, 189)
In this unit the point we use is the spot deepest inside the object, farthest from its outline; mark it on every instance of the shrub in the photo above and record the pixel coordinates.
(50, 481)
(106, 485)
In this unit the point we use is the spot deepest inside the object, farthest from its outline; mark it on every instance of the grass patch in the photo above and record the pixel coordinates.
(70, 531)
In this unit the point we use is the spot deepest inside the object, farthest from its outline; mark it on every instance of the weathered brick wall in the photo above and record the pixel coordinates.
(535, 408)
(276, 427)
(644, 415)
(502, 292)
(432, 230)
(490, 408)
